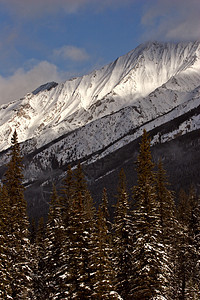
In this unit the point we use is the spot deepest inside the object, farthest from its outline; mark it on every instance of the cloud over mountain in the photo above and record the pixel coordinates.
(22, 81)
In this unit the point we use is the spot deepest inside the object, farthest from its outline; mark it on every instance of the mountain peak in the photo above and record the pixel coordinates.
(45, 87)
(55, 109)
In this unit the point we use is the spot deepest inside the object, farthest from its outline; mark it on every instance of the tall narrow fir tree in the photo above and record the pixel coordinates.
(150, 260)
(19, 251)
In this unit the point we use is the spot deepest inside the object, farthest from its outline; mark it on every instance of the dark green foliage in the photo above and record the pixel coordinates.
(193, 289)
(148, 253)
(123, 240)
(5, 263)
(14, 174)
(196, 243)
(166, 203)
(55, 260)
(104, 275)
(18, 250)
(168, 226)
(67, 194)
(80, 242)
(188, 246)
(39, 283)
(33, 231)
(150, 258)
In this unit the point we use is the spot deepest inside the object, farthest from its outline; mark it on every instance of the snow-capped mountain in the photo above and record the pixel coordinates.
(91, 118)
(152, 80)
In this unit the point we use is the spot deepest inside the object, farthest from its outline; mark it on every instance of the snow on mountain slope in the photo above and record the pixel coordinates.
(153, 79)
(103, 136)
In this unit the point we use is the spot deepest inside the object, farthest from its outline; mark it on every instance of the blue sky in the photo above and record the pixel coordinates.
(53, 40)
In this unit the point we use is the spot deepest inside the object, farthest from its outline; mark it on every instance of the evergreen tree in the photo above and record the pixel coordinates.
(168, 223)
(187, 249)
(166, 204)
(193, 288)
(196, 228)
(33, 232)
(81, 239)
(19, 251)
(182, 244)
(55, 261)
(105, 210)
(5, 275)
(67, 194)
(78, 252)
(150, 269)
(123, 240)
(39, 283)
(68, 191)
(104, 275)
(80, 184)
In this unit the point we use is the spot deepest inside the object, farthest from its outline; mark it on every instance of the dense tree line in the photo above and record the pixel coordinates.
(151, 250)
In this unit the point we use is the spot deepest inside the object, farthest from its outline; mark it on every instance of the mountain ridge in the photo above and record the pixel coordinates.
(69, 105)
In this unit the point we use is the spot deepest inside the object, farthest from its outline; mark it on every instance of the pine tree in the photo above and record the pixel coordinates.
(19, 251)
(150, 260)
(78, 252)
(5, 212)
(105, 210)
(67, 194)
(168, 223)
(33, 232)
(104, 275)
(39, 283)
(193, 288)
(55, 260)
(80, 183)
(187, 248)
(68, 191)
(196, 241)
(182, 245)
(166, 204)
(123, 240)
(80, 230)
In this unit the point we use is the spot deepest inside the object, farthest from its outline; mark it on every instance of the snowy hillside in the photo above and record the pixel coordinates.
(137, 88)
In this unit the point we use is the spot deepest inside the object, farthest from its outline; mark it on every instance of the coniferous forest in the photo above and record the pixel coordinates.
(149, 250)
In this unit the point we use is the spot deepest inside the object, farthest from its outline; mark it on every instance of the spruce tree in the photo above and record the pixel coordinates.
(104, 274)
(79, 276)
(80, 239)
(196, 230)
(168, 223)
(5, 235)
(55, 260)
(68, 191)
(105, 210)
(182, 273)
(149, 255)
(187, 246)
(166, 205)
(67, 194)
(39, 283)
(123, 240)
(193, 289)
(19, 251)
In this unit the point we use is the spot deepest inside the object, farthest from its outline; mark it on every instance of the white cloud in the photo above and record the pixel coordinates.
(22, 82)
(172, 20)
(71, 53)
